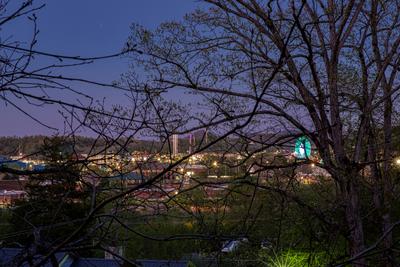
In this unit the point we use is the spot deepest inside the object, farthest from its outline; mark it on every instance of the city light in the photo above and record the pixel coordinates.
(215, 164)
(398, 161)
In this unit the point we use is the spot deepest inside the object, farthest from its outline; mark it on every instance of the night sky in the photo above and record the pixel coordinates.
(85, 28)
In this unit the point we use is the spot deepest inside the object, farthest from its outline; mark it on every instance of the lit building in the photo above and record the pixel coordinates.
(175, 141)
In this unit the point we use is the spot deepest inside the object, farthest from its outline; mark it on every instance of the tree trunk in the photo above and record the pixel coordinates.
(354, 221)
(386, 178)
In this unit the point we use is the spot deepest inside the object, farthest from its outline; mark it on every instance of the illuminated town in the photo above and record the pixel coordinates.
(139, 166)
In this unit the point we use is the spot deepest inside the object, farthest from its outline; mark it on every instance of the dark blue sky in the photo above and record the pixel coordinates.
(86, 28)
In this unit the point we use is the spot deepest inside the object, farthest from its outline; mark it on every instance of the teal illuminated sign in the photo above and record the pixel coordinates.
(302, 149)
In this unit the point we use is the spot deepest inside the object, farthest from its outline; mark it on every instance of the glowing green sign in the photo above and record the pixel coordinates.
(302, 149)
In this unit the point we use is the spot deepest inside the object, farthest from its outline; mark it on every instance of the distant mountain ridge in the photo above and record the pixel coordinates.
(27, 145)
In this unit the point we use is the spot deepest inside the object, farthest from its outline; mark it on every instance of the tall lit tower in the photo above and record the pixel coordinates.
(192, 143)
(175, 145)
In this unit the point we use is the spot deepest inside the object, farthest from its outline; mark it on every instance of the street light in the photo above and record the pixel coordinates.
(398, 161)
